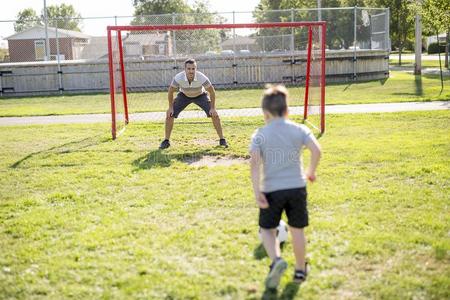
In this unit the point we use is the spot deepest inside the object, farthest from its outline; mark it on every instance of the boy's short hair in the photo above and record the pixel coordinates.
(189, 61)
(275, 100)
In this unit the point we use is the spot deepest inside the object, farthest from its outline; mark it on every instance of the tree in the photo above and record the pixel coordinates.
(157, 11)
(436, 19)
(25, 19)
(179, 12)
(63, 16)
(401, 23)
(340, 32)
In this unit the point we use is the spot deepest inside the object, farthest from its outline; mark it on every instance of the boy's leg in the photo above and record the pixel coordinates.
(269, 218)
(297, 214)
(270, 243)
(278, 265)
(299, 245)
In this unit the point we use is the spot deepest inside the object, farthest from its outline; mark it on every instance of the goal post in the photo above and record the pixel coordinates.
(144, 58)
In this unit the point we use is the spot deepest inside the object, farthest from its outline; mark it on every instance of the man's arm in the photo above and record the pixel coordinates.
(314, 147)
(172, 90)
(255, 161)
(170, 98)
(212, 97)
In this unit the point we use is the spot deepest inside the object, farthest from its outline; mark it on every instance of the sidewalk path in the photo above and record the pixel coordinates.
(246, 112)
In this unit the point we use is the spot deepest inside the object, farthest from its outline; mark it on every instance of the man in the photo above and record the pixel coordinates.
(193, 87)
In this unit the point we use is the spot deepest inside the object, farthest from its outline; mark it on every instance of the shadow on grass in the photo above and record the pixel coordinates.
(259, 252)
(383, 81)
(162, 158)
(289, 292)
(65, 148)
(347, 86)
(418, 85)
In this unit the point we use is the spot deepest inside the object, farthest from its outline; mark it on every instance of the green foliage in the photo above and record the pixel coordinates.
(434, 48)
(436, 16)
(85, 217)
(25, 19)
(179, 12)
(64, 16)
(145, 11)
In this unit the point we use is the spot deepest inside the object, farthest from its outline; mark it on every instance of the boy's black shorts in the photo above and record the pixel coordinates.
(293, 201)
(181, 101)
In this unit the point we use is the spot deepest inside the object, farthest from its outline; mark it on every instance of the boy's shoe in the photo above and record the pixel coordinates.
(164, 144)
(277, 269)
(300, 275)
(223, 142)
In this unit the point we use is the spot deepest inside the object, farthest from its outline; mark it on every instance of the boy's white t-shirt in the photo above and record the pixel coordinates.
(280, 144)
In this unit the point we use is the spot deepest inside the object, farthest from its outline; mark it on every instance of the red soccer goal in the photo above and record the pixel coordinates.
(143, 60)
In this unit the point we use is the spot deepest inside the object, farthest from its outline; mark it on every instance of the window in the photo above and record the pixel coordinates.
(39, 49)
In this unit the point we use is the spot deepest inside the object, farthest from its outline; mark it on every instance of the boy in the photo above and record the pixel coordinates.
(277, 146)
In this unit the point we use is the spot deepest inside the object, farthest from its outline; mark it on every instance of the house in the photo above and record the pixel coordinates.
(147, 44)
(95, 48)
(433, 39)
(240, 43)
(29, 45)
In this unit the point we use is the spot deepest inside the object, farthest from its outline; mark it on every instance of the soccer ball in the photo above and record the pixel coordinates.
(282, 232)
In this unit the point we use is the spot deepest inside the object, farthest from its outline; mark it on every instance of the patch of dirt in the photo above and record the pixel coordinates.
(212, 161)
(206, 142)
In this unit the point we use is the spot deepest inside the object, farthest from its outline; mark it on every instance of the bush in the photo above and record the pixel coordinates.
(434, 48)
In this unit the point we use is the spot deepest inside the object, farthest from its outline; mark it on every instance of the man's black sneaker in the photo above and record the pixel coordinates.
(276, 271)
(300, 275)
(223, 142)
(165, 144)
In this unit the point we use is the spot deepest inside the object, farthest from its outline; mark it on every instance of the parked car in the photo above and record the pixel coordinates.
(227, 52)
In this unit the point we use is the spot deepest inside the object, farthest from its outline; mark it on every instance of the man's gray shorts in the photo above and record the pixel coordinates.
(181, 101)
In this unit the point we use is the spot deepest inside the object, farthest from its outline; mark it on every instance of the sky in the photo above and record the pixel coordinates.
(108, 8)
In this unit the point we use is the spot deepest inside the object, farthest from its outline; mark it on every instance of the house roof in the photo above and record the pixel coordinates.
(240, 40)
(38, 32)
(145, 38)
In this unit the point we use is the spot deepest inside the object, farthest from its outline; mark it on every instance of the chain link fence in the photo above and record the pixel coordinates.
(76, 60)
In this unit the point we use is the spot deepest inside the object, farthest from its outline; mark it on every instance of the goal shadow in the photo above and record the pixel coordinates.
(69, 147)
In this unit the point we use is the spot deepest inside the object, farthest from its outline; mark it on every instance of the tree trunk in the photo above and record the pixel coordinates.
(446, 48)
(440, 63)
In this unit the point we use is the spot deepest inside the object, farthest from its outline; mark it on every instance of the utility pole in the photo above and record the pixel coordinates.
(418, 43)
(319, 10)
(47, 42)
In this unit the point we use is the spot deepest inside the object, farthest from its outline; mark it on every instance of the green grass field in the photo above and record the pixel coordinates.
(410, 62)
(400, 87)
(86, 217)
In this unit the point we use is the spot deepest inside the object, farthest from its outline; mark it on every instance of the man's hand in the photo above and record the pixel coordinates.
(261, 200)
(213, 112)
(169, 112)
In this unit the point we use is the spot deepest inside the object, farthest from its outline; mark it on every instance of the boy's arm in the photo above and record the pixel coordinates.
(316, 153)
(255, 161)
